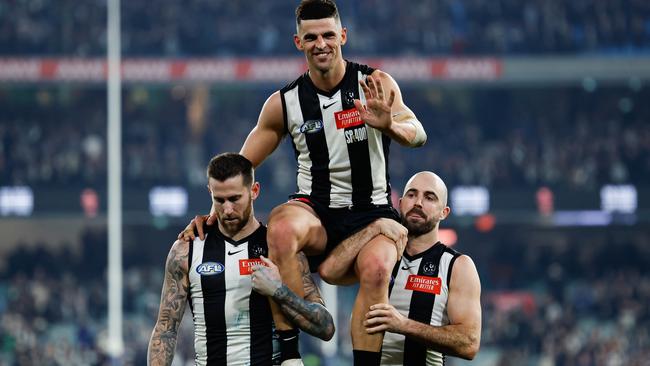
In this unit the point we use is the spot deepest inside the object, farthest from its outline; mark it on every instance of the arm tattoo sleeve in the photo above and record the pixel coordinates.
(172, 306)
(308, 314)
(311, 317)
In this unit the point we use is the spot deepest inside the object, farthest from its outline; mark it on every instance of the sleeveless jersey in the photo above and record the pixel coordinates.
(341, 162)
(232, 323)
(419, 291)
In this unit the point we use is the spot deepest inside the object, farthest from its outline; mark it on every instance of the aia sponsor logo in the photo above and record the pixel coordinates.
(209, 268)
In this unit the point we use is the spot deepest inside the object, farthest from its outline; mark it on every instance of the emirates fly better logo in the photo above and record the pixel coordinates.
(427, 284)
(246, 265)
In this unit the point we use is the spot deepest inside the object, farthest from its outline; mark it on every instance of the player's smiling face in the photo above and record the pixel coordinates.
(321, 41)
(233, 201)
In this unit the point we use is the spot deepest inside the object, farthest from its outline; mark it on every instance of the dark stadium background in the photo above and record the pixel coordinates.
(538, 118)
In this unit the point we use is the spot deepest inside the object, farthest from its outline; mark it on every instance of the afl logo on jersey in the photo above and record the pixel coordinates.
(429, 268)
(209, 268)
(311, 126)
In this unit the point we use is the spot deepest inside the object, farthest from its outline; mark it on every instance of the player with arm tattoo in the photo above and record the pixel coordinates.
(233, 324)
(172, 306)
(308, 314)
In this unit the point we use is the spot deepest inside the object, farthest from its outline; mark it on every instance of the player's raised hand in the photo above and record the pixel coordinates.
(266, 278)
(377, 110)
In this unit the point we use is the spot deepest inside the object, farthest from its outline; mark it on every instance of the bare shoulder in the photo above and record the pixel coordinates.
(178, 256)
(384, 77)
(389, 83)
(274, 100)
(464, 272)
(272, 113)
(466, 261)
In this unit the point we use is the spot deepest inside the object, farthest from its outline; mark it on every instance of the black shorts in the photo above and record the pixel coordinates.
(340, 223)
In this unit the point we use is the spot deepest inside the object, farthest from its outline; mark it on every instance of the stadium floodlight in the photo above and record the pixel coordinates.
(470, 200)
(16, 200)
(618, 198)
(168, 201)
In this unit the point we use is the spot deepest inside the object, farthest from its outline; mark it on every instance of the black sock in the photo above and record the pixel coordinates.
(366, 358)
(288, 344)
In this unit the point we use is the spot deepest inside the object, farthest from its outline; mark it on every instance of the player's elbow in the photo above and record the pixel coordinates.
(321, 325)
(420, 137)
(328, 332)
(418, 143)
(471, 348)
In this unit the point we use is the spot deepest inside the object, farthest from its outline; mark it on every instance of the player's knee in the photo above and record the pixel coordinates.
(374, 270)
(282, 238)
(325, 272)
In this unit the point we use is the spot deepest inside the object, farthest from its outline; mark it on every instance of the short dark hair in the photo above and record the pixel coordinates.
(316, 9)
(228, 165)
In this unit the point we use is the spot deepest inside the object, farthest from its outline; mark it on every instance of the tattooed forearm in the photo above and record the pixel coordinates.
(172, 306)
(161, 348)
(311, 317)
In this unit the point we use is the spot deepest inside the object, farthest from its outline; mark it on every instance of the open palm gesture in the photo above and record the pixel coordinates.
(377, 110)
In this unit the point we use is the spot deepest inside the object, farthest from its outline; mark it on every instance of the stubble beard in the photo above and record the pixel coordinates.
(233, 227)
(418, 228)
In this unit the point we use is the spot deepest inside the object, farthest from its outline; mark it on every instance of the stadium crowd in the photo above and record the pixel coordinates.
(566, 297)
(554, 297)
(424, 27)
(505, 138)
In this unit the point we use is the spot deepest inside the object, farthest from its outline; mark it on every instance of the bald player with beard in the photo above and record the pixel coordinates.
(434, 305)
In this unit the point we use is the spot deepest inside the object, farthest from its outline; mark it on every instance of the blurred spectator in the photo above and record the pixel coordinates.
(424, 27)
(572, 297)
(500, 137)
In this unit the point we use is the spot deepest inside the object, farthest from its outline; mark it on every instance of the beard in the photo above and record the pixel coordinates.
(233, 224)
(418, 228)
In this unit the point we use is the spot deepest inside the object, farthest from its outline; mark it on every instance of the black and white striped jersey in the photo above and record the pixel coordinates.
(419, 291)
(232, 323)
(341, 161)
